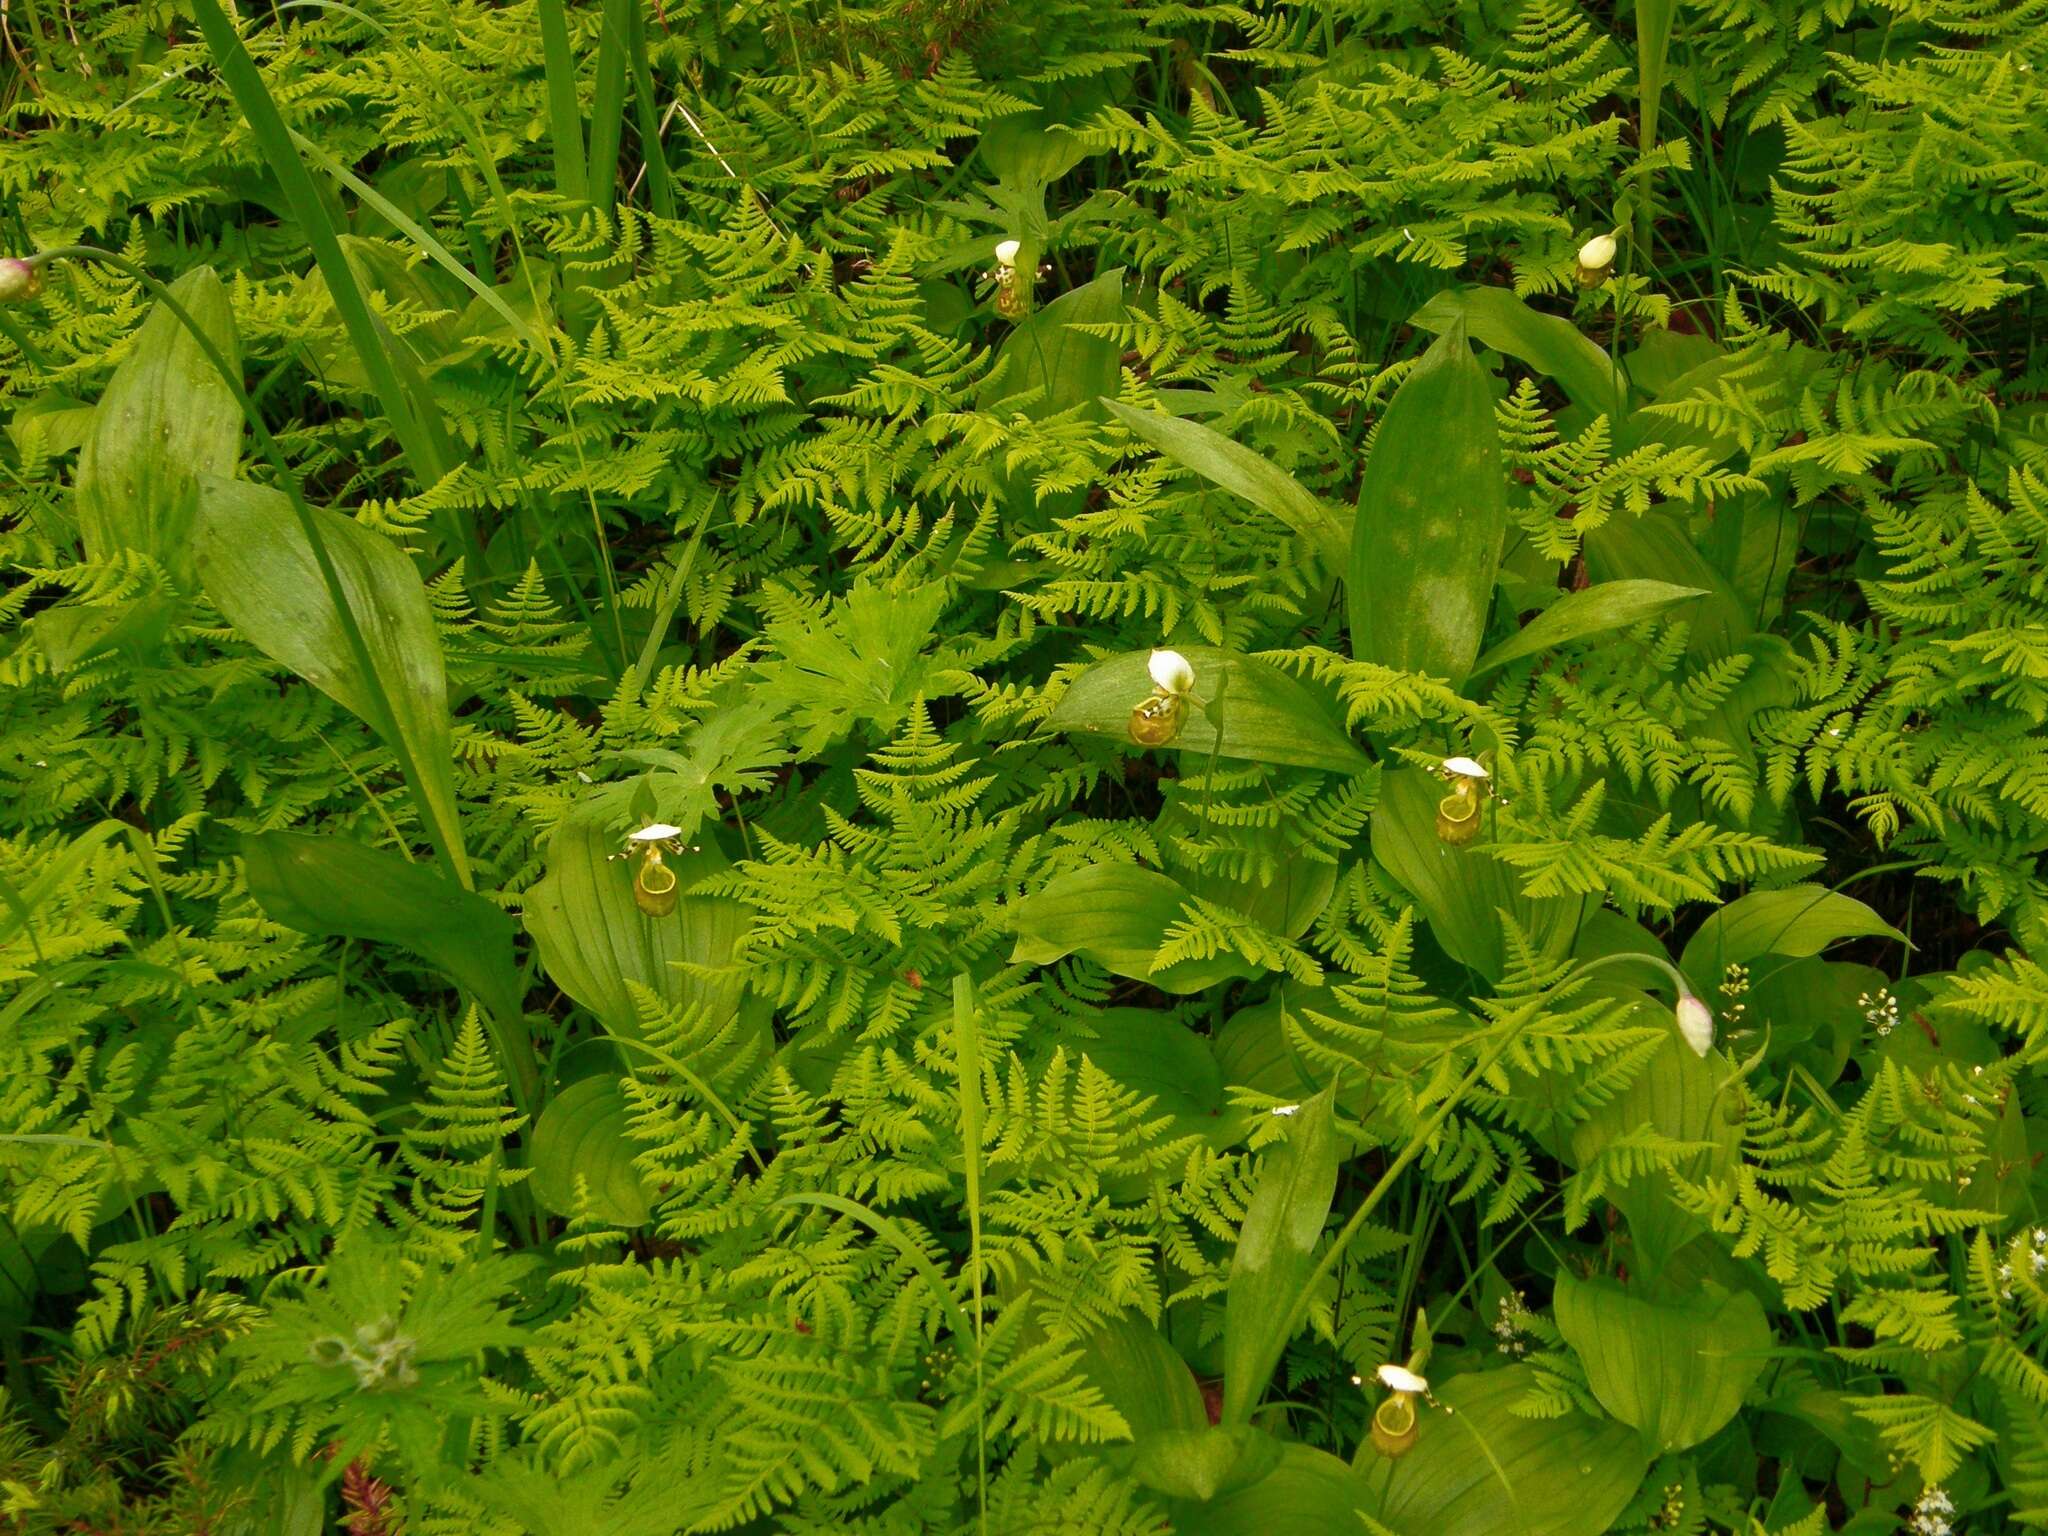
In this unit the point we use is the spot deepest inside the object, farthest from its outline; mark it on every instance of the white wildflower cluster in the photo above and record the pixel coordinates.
(1880, 1010)
(2030, 1249)
(1510, 1327)
(1734, 983)
(1930, 1515)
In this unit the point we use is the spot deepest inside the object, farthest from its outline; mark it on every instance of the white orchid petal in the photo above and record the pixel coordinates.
(658, 832)
(1006, 252)
(1171, 671)
(1597, 254)
(1399, 1378)
(1466, 768)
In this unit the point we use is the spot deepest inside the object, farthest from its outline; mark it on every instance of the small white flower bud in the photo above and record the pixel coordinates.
(1696, 1023)
(1006, 252)
(1171, 672)
(19, 279)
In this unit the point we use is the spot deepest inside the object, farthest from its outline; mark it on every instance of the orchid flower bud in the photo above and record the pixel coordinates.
(1696, 1023)
(19, 279)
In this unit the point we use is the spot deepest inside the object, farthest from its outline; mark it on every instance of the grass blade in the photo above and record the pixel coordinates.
(565, 116)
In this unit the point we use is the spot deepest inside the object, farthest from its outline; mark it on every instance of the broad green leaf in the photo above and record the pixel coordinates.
(1055, 365)
(1657, 547)
(260, 571)
(1243, 473)
(581, 1136)
(331, 886)
(1159, 1057)
(593, 939)
(167, 418)
(76, 631)
(1432, 513)
(1550, 344)
(1676, 1370)
(1308, 1493)
(1481, 1470)
(1263, 715)
(1029, 151)
(1198, 1463)
(1275, 1253)
(1462, 892)
(1142, 1377)
(1592, 611)
(1679, 1095)
(1116, 915)
(1798, 920)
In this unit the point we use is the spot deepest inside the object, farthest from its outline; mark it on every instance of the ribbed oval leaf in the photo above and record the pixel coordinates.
(1594, 610)
(1461, 892)
(1432, 512)
(1797, 920)
(1263, 715)
(1676, 1370)
(581, 1140)
(1481, 1470)
(1550, 344)
(1240, 471)
(1307, 1493)
(260, 572)
(1276, 1246)
(167, 418)
(593, 939)
(1116, 915)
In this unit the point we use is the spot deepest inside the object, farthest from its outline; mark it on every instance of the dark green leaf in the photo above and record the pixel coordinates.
(260, 571)
(1550, 344)
(1798, 920)
(1243, 473)
(1432, 513)
(1592, 611)
(581, 1137)
(1276, 1251)
(1263, 715)
(1116, 915)
(334, 887)
(167, 418)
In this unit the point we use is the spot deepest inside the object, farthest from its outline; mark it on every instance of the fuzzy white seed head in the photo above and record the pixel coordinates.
(1597, 254)
(1171, 672)
(1006, 252)
(1398, 1378)
(1696, 1023)
(1465, 768)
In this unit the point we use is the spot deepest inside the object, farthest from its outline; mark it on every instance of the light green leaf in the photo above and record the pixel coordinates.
(1432, 512)
(1592, 611)
(1679, 1095)
(334, 887)
(1798, 920)
(1550, 344)
(1676, 1370)
(1198, 1463)
(593, 939)
(1263, 715)
(1054, 364)
(581, 1135)
(1240, 471)
(166, 419)
(1116, 915)
(1276, 1251)
(1656, 546)
(260, 571)
(1482, 1471)
(1462, 892)
(1142, 1377)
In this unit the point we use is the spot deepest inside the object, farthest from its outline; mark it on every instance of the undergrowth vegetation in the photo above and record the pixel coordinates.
(969, 766)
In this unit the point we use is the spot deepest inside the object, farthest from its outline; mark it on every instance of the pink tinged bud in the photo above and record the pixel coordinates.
(19, 280)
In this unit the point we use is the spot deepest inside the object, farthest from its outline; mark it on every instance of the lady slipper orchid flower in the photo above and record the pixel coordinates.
(1596, 260)
(1398, 1378)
